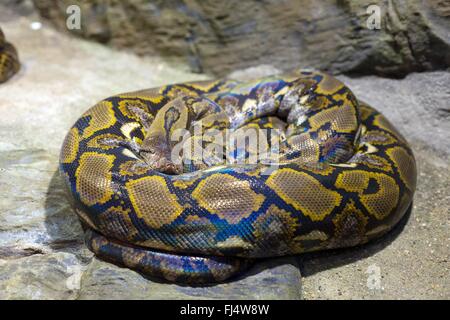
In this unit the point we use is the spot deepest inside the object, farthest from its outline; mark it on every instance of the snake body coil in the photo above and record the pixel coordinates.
(344, 176)
(9, 60)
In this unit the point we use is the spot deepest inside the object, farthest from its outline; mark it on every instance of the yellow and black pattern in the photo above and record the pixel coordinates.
(344, 176)
(9, 60)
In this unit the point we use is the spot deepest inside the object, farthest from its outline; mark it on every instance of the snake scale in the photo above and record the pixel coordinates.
(344, 176)
(9, 60)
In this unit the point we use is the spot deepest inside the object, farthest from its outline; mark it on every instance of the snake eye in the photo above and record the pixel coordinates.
(363, 148)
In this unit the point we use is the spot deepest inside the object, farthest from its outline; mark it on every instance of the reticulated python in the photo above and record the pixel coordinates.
(344, 176)
(9, 60)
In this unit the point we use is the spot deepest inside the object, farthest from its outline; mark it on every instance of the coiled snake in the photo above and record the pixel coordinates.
(344, 175)
(9, 60)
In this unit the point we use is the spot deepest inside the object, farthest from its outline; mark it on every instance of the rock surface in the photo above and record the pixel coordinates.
(42, 255)
(219, 36)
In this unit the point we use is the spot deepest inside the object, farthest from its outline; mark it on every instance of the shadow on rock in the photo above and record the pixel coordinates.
(61, 221)
(293, 267)
(314, 262)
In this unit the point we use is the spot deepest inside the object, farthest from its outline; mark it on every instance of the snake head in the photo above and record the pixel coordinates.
(295, 98)
(159, 157)
(162, 164)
